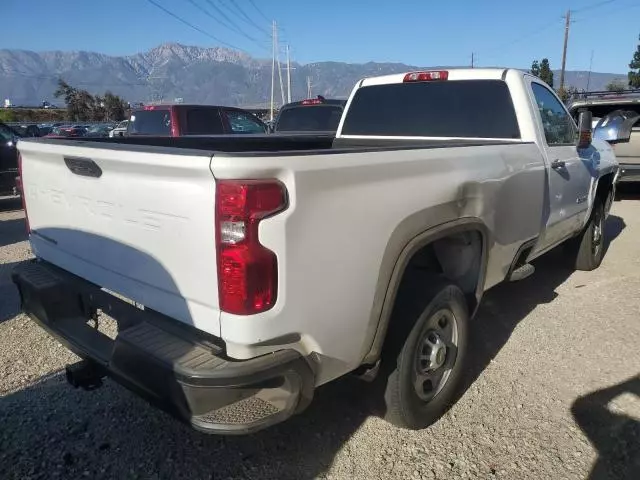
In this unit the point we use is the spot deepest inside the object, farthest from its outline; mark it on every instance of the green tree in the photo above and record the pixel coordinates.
(82, 106)
(114, 107)
(566, 93)
(634, 74)
(546, 75)
(535, 68)
(616, 86)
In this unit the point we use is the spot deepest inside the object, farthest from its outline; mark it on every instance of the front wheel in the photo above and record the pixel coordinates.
(426, 370)
(587, 250)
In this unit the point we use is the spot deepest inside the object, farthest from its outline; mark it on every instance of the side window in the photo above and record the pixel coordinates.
(203, 121)
(241, 122)
(559, 128)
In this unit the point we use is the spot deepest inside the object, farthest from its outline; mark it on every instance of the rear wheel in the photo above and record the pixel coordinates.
(587, 250)
(425, 360)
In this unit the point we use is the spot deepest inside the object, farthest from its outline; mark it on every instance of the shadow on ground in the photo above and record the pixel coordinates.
(12, 231)
(50, 430)
(504, 306)
(9, 299)
(8, 204)
(628, 191)
(615, 435)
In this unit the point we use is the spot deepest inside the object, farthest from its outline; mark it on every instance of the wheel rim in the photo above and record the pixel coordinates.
(435, 355)
(597, 234)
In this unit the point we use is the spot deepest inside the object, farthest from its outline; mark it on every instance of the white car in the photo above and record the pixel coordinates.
(120, 129)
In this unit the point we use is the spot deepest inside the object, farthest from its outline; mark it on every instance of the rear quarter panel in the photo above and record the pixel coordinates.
(349, 217)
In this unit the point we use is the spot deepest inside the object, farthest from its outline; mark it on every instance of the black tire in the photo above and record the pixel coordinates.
(587, 250)
(409, 328)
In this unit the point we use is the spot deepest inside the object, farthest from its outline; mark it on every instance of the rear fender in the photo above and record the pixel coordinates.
(393, 267)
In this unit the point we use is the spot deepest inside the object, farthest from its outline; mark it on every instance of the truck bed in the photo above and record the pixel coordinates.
(255, 144)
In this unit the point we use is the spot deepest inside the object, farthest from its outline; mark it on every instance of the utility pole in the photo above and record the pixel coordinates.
(472, 60)
(288, 76)
(589, 75)
(273, 65)
(308, 87)
(564, 49)
(277, 50)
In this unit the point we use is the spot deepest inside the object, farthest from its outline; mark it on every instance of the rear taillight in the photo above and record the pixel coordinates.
(20, 187)
(312, 101)
(247, 270)
(426, 76)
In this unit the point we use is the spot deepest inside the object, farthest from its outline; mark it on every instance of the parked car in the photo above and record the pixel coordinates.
(99, 131)
(30, 131)
(8, 159)
(311, 115)
(66, 132)
(249, 270)
(120, 129)
(45, 130)
(615, 110)
(180, 120)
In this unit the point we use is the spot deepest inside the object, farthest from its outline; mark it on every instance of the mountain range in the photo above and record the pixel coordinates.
(195, 75)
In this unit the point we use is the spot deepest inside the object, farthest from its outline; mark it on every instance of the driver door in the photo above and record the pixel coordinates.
(568, 169)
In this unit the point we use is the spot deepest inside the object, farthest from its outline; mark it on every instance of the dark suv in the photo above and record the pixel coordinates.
(319, 115)
(180, 120)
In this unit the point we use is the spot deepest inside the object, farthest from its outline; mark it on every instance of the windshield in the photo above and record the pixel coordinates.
(150, 122)
(303, 118)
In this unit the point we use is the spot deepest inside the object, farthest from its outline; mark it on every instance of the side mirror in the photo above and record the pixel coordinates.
(616, 127)
(584, 129)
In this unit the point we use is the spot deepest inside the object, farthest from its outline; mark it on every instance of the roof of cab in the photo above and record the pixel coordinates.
(324, 101)
(454, 74)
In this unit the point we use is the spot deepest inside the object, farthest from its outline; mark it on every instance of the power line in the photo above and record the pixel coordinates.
(526, 36)
(547, 26)
(232, 24)
(625, 6)
(592, 6)
(225, 25)
(238, 12)
(258, 10)
(197, 29)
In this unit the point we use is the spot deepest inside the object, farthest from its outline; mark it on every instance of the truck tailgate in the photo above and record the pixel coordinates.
(137, 223)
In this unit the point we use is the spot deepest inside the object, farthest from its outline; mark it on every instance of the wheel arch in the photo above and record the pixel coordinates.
(394, 266)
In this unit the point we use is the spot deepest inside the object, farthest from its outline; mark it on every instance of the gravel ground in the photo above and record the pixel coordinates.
(553, 391)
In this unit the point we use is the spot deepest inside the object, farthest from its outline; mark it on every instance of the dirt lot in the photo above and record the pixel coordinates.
(553, 391)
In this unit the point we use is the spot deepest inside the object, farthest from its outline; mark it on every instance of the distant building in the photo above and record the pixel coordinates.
(7, 103)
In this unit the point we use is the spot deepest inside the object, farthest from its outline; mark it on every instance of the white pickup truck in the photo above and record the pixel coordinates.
(245, 272)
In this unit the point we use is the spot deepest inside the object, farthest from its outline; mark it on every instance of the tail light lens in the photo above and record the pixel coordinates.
(247, 270)
(20, 186)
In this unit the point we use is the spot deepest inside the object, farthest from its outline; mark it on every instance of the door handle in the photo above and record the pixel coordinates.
(557, 164)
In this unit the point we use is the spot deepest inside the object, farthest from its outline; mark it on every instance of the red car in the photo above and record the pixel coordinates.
(67, 132)
(180, 120)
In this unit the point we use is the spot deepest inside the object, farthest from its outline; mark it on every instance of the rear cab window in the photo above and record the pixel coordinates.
(309, 118)
(450, 108)
(150, 122)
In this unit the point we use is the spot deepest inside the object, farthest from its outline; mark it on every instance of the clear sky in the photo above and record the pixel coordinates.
(418, 32)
